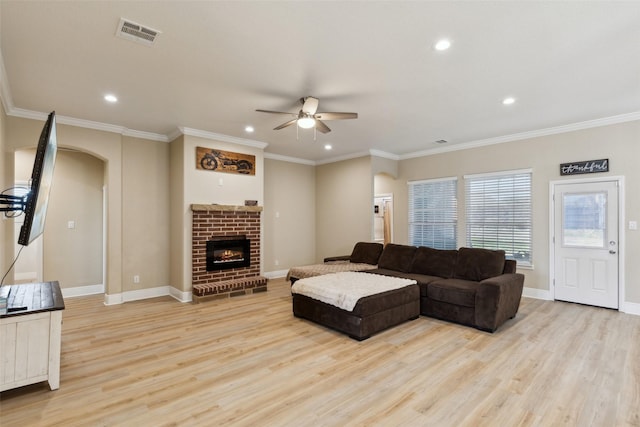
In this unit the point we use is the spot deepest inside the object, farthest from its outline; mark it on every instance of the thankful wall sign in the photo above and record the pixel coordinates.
(588, 166)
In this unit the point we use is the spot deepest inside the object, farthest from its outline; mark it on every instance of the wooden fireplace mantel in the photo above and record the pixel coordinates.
(224, 208)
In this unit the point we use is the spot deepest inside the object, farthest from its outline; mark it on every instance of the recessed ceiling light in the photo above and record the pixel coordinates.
(328, 147)
(508, 101)
(110, 98)
(443, 44)
(249, 129)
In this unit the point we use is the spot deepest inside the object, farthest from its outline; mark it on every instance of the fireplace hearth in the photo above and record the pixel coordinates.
(227, 252)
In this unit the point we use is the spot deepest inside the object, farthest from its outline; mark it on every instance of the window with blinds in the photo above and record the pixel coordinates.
(433, 213)
(498, 213)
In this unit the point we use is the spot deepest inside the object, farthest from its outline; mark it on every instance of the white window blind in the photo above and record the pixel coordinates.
(433, 213)
(498, 213)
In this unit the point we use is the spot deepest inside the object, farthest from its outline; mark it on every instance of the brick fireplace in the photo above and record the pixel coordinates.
(224, 222)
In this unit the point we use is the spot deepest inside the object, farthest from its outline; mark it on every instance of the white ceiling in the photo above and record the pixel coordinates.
(216, 62)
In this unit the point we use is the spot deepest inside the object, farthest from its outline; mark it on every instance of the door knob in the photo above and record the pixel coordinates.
(612, 252)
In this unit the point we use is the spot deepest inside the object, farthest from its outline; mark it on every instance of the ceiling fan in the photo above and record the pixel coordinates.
(308, 117)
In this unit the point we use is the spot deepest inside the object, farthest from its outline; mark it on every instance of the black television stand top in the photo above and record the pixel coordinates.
(29, 298)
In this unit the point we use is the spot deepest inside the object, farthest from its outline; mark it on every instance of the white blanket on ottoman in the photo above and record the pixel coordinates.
(343, 290)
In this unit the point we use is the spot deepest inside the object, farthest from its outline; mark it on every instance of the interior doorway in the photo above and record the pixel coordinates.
(586, 242)
(383, 218)
(71, 250)
(28, 266)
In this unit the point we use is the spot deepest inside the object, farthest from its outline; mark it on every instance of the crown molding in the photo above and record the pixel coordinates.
(146, 135)
(223, 138)
(272, 156)
(384, 154)
(342, 158)
(606, 121)
(173, 135)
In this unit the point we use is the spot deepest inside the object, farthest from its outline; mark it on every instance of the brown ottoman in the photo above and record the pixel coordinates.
(371, 314)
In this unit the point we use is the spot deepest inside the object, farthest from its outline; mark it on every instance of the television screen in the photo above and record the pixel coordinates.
(35, 209)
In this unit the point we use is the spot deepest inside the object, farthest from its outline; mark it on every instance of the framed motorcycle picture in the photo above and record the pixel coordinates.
(225, 161)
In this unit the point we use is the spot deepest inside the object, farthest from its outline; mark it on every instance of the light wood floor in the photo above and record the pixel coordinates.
(247, 361)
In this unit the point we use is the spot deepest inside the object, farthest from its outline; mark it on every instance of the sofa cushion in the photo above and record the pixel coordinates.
(478, 264)
(453, 291)
(397, 257)
(421, 279)
(366, 253)
(434, 262)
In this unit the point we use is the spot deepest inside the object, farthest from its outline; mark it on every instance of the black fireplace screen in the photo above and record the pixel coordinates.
(228, 252)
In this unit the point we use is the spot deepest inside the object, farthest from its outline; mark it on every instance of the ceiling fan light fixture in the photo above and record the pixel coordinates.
(306, 122)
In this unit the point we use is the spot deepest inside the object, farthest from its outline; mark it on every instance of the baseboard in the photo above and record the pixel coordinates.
(544, 294)
(81, 291)
(275, 274)
(139, 294)
(626, 307)
(630, 308)
(180, 295)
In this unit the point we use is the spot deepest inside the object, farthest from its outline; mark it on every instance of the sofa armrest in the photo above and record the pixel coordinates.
(338, 258)
(497, 300)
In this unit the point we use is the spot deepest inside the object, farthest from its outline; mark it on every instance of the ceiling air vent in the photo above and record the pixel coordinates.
(137, 33)
(441, 141)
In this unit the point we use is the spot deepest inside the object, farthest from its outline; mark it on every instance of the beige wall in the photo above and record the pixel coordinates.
(206, 187)
(145, 226)
(333, 207)
(289, 215)
(620, 143)
(24, 133)
(344, 206)
(135, 178)
(381, 165)
(178, 233)
(74, 256)
(6, 180)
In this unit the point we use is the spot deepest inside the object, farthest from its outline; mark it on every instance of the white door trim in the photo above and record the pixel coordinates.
(383, 196)
(621, 230)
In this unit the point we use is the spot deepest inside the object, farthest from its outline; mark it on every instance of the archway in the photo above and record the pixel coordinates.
(71, 250)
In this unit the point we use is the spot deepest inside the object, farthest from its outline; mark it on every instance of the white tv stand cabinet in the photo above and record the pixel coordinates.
(30, 338)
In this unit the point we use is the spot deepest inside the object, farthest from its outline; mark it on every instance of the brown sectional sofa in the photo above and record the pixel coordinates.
(470, 286)
(363, 257)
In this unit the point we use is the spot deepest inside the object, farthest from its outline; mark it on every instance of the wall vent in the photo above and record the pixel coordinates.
(137, 33)
(441, 141)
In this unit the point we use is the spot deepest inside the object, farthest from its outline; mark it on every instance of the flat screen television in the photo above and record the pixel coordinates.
(37, 199)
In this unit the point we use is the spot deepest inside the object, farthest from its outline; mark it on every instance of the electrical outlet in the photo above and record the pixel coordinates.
(277, 262)
(136, 279)
(633, 225)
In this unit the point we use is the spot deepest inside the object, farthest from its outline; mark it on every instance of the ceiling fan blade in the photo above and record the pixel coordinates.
(277, 112)
(284, 125)
(336, 116)
(322, 127)
(310, 105)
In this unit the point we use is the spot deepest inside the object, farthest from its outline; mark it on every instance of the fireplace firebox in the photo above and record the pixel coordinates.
(228, 252)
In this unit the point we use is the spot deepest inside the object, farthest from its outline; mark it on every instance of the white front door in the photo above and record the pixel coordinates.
(585, 243)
